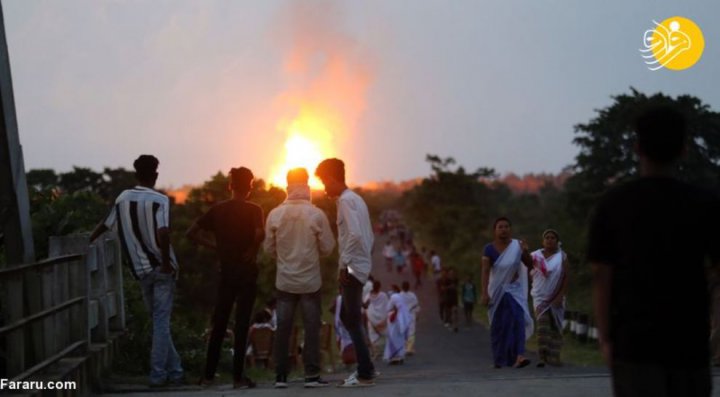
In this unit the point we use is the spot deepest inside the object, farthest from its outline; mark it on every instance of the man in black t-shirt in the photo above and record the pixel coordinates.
(238, 229)
(648, 247)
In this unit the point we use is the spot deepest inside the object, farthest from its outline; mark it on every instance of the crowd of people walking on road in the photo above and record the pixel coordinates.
(651, 234)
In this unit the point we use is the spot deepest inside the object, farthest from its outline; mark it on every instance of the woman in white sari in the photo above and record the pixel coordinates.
(342, 336)
(376, 306)
(413, 305)
(398, 317)
(505, 265)
(549, 281)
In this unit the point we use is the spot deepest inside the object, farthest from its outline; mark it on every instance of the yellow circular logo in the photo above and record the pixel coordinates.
(676, 43)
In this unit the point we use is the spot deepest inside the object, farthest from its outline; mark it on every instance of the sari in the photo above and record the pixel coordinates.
(411, 301)
(342, 336)
(548, 276)
(377, 316)
(398, 317)
(510, 321)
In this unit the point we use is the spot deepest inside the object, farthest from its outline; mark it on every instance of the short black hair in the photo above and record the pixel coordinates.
(334, 168)
(146, 167)
(241, 178)
(661, 133)
(501, 219)
(297, 175)
(405, 286)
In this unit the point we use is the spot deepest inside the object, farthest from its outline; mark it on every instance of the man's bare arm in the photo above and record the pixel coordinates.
(99, 230)
(194, 234)
(485, 281)
(163, 235)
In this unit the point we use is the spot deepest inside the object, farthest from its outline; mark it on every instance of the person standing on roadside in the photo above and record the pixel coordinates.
(355, 242)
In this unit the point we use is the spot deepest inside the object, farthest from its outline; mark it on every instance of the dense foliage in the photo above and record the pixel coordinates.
(450, 211)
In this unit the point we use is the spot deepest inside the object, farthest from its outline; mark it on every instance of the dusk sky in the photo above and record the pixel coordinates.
(208, 85)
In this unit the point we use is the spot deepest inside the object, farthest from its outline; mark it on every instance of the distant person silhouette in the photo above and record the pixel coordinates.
(469, 298)
(142, 216)
(238, 229)
(376, 305)
(297, 234)
(398, 320)
(648, 244)
(355, 242)
(413, 305)
(449, 288)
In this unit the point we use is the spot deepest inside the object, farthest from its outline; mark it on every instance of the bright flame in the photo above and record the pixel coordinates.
(327, 77)
(309, 141)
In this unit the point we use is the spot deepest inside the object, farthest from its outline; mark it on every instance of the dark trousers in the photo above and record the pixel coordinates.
(351, 318)
(311, 313)
(240, 293)
(634, 379)
(468, 309)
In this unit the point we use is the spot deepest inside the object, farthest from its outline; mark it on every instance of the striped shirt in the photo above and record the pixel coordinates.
(139, 213)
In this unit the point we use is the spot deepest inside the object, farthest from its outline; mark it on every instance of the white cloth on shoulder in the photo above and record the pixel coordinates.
(547, 278)
(411, 301)
(509, 275)
(341, 333)
(398, 329)
(377, 315)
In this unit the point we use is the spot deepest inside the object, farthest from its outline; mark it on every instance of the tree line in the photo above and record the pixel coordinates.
(451, 210)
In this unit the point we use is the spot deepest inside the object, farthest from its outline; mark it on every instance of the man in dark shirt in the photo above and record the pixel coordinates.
(238, 229)
(648, 245)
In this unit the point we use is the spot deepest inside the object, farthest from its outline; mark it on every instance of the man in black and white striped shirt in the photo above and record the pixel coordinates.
(142, 216)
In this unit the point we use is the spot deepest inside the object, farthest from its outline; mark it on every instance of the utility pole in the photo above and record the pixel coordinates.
(15, 225)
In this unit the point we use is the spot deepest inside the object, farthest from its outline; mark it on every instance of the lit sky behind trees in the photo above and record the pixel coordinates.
(208, 85)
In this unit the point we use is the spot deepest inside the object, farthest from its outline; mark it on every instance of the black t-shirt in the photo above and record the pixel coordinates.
(234, 223)
(657, 233)
(450, 288)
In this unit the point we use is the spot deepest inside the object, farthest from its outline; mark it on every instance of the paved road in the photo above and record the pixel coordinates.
(446, 363)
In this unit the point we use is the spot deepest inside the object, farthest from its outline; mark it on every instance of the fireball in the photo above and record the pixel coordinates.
(309, 141)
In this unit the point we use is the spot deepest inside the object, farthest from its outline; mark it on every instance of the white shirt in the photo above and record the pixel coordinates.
(355, 235)
(411, 301)
(389, 251)
(297, 233)
(435, 260)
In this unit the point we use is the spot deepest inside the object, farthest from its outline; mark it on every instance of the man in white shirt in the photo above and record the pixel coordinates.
(297, 233)
(355, 241)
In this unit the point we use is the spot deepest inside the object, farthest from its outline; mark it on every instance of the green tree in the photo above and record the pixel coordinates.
(606, 147)
(80, 178)
(41, 179)
(450, 210)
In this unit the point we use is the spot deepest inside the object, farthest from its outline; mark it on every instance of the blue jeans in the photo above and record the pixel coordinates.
(351, 317)
(311, 313)
(158, 289)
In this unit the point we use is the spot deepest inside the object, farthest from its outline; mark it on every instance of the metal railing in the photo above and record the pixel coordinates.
(58, 307)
